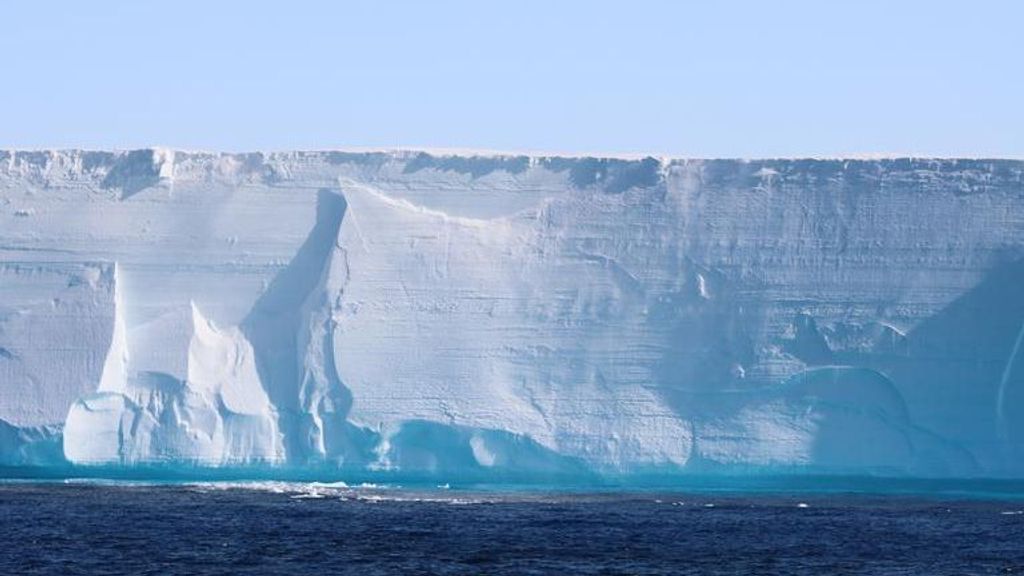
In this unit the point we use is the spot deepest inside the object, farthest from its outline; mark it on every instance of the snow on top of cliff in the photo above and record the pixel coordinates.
(125, 173)
(408, 152)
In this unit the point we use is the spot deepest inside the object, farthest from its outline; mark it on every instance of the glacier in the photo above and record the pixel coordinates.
(495, 314)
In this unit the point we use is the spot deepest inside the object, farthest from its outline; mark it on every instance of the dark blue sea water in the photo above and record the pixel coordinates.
(292, 528)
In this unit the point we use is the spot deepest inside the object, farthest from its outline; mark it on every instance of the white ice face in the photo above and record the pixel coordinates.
(512, 315)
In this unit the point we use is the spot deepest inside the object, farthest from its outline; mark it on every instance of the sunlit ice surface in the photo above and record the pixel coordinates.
(551, 321)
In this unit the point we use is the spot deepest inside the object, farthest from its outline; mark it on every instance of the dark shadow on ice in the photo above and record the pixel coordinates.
(273, 328)
(30, 446)
(159, 382)
(613, 175)
(855, 416)
(701, 371)
(273, 324)
(441, 450)
(863, 424)
(807, 343)
(959, 377)
(475, 166)
(957, 361)
(132, 173)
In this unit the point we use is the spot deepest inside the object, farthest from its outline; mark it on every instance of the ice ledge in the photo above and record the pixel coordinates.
(406, 152)
(133, 170)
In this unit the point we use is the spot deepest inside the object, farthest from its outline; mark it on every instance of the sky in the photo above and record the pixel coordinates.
(724, 78)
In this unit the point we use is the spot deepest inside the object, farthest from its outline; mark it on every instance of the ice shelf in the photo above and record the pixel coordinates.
(501, 314)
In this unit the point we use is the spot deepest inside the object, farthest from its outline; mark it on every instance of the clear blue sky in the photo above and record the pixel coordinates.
(710, 78)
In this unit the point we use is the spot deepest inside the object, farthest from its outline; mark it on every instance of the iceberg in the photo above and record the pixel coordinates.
(507, 315)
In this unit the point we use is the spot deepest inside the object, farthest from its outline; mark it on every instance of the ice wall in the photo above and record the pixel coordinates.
(512, 315)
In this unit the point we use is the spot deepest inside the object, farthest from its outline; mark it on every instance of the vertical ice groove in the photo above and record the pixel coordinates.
(1004, 381)
(115, 367)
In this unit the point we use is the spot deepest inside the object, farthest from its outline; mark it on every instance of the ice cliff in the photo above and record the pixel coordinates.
(459, 314)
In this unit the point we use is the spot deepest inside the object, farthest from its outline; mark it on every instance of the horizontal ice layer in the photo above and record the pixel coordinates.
(511, 314)
(56, 321)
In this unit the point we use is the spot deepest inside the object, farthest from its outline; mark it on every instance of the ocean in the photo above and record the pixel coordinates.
(221, 527)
